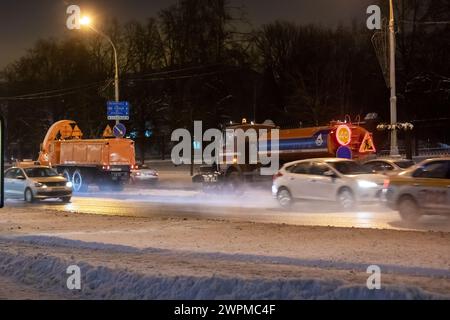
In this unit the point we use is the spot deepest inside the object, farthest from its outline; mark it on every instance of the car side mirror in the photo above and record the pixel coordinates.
(20, 178)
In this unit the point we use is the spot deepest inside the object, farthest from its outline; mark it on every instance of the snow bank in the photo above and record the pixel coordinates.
(253, 258)
(49, 275)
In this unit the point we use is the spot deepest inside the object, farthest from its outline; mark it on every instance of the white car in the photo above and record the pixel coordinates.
(36, 182)
(330, 179)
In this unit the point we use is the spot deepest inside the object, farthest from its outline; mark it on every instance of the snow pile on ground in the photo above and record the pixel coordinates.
(53, 241)
(48, 274)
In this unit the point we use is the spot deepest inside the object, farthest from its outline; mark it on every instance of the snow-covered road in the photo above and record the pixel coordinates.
(254, 206)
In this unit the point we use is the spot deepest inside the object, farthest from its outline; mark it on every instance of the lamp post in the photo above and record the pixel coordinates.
(393, 101)
(86, 21)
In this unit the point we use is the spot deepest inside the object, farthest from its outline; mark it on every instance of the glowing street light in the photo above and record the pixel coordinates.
(86, 21)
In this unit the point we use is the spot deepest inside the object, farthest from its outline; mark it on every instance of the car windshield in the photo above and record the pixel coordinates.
(40, 172)
(405, 164)
(349, 167)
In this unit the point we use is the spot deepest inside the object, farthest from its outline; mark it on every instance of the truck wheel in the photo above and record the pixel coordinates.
(209, 188)
(408, 209)
(234, 182)
(117, 187)
(79, 184)
(28, 196)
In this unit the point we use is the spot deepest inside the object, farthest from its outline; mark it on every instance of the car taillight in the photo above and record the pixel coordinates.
(386, 183)
(277, 175)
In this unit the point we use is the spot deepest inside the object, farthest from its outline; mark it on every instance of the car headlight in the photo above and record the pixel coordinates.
(40, 185)
(69, 184)
(274, 189)
(366, 184)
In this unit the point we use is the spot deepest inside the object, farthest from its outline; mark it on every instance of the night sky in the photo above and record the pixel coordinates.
(22, 22)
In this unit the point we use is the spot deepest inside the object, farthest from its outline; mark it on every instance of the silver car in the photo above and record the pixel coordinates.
(143, 174)
(36, 182)
(330, 179)
(389, 166)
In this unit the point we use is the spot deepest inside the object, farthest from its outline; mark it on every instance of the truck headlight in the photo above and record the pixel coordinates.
(69, 184)
(366, 184)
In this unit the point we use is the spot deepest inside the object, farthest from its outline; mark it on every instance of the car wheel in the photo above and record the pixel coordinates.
(28, 196)
(346, 199)
(66, 199)
(78, 183)
(408, 209)
(284, 198)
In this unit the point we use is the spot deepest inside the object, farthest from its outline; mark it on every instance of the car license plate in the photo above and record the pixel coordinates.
(210, 178)
(117, 174)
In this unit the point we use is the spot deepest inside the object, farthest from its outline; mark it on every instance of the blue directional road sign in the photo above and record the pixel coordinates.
(118, 110)
(119, 130)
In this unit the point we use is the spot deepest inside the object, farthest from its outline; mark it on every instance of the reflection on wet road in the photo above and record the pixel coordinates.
(255, 206)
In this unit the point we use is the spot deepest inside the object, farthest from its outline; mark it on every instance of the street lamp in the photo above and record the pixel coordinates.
(393, 101)
(86, 21)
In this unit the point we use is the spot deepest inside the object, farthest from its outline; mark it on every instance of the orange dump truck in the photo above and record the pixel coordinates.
(103, 162)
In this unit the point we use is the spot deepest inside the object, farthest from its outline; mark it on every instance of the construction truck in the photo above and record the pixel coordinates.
(105, 162)
(338, 139)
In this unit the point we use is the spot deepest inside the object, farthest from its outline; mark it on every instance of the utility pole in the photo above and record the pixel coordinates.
(394, 142)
